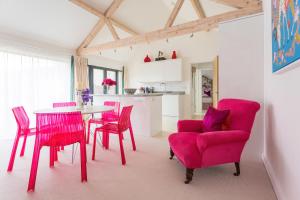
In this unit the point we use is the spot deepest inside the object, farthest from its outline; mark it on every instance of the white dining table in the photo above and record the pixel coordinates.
(84, 110)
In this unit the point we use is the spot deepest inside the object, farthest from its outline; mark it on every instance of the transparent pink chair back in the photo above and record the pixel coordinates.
(124, 119)
(114, 114)
(21, 118)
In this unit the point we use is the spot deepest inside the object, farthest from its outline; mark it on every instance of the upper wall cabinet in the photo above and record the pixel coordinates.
(161, 71)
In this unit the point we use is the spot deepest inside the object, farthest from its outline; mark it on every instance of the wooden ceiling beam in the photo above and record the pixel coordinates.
(112, 29)
(108, 13)
(238, 3)
(123, 27)
(100, 24)
(174, 13)
(112, 8)
(198, 8)
(98, 13)
(182, 29)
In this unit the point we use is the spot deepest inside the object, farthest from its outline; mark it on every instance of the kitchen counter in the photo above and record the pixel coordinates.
(129, 95)
(146, 116)
(170, 92)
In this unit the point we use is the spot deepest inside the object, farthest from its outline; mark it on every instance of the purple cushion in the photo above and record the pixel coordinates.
(214, 119)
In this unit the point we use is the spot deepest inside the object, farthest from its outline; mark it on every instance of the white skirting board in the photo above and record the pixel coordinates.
(273, 179)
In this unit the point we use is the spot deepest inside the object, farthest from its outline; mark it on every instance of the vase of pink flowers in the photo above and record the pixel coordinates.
(107, 84)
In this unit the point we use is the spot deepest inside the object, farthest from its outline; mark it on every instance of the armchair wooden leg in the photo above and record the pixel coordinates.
(237, 167)
(189, 175)
(171, 154)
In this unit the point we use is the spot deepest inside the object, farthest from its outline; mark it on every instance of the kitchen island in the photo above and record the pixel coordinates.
(146, 116)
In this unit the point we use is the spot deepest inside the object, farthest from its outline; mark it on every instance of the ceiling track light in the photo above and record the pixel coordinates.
(167, 40)
(131, 48)
(100, 53)
(192, 35)
(115, 50)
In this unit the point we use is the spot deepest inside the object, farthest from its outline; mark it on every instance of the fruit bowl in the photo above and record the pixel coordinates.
(129, 90)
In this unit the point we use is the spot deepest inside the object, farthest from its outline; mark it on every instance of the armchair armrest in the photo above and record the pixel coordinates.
(208, 139)
(190, 126)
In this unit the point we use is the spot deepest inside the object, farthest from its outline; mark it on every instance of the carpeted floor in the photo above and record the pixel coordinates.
(148, 175)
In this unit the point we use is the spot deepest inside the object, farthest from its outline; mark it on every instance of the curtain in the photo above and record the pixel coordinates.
(72, 74)
(32, 82)
(81, 73)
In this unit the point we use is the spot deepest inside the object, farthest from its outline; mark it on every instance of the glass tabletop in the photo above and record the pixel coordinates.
(83, 110)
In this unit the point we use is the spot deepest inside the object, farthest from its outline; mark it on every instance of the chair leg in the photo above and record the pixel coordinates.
(237, 167)
(56, 149)
(88, 133)
(62, 148)
(94, 145)
(23, 146)
(34, 167)
(83, 161)
(171, 154)
(132, 138)
(13, 153)
(107, 140)
(122, 149)
(189, 175)
(104, 139)
(52, 157)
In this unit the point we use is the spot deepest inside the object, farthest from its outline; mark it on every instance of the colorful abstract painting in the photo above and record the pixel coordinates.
(285, 32)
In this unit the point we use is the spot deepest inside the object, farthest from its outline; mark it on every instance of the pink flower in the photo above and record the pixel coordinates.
(108, 82)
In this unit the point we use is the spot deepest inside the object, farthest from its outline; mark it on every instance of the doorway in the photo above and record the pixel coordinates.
(204, 87)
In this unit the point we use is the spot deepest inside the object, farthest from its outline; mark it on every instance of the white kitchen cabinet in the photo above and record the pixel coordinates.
(172, 111)
(170, 105)
(161, 71)
(172, 70)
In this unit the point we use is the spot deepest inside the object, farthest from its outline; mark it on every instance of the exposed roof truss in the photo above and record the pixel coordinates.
(243, 8)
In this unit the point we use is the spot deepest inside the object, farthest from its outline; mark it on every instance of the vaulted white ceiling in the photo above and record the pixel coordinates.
(64, 24)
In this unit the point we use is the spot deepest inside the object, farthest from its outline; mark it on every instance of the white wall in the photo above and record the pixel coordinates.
(241, 71)
(15, 44)
(282, 139)
(202, 47)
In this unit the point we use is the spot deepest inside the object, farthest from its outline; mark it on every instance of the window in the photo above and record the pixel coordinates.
(32, 82)
(98, 74)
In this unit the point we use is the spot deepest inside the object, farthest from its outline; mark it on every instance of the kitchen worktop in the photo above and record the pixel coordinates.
(159, 93)
(170, 92)
(130, 95)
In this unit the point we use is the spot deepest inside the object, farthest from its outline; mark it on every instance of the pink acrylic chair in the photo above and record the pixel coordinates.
(23, 131)
(197, 149)
(57, 105)
(54, 130)
(109, 116)
(62, 104)
(119, 128)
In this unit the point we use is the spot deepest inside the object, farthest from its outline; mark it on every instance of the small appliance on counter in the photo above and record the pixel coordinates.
(146, 90)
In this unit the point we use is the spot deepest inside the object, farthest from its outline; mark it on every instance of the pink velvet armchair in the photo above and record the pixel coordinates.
(195, 149)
